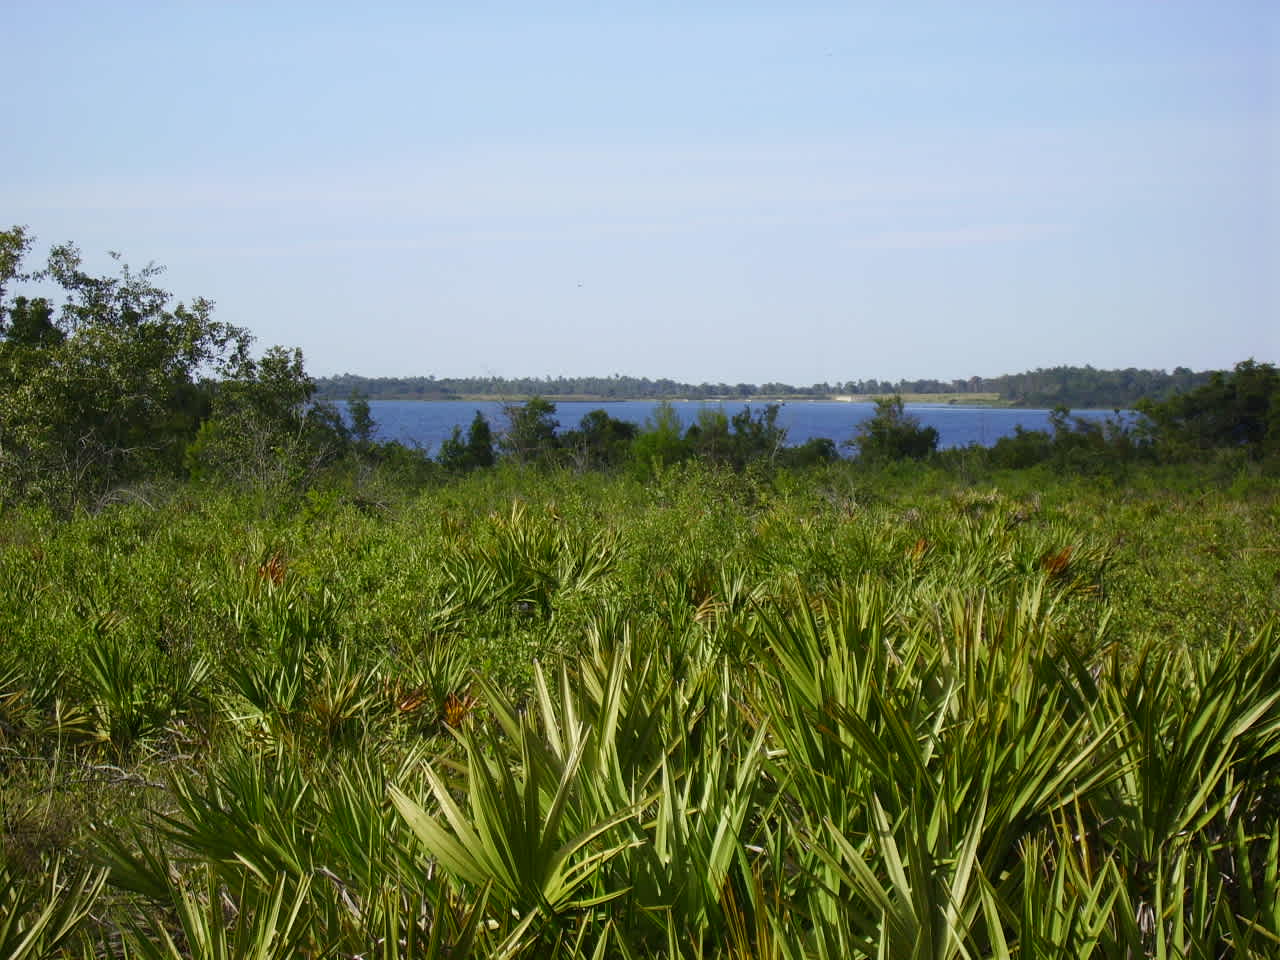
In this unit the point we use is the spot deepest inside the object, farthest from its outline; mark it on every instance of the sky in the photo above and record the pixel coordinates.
(709, 191)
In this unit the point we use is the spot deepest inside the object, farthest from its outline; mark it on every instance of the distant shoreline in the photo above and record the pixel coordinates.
(1076, 388)
(944, 399)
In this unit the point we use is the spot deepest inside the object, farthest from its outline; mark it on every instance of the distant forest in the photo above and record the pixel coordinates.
(1076, 387)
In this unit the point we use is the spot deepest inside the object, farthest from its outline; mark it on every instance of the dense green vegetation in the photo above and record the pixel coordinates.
(272, 688)
(1078, 387)
(113, 385)
(855, 711)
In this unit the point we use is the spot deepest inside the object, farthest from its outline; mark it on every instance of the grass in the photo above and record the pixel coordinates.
(840, 713)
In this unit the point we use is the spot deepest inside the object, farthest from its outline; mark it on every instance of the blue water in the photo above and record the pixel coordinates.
(428, 424)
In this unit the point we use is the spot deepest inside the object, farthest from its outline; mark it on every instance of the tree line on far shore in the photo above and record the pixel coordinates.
(114, 386)
(1073, 387)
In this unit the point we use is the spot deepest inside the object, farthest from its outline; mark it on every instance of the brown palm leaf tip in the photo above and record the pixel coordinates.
(273, 569)
(918, 551)
(410, 701)
(456, 708)
(1055, 564)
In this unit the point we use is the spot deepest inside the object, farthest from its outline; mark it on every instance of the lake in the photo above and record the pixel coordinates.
(427, 424)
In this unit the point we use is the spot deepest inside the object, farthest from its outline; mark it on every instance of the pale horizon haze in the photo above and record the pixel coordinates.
(707, 191)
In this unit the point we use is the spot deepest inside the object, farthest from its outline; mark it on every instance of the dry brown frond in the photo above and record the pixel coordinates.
(1056, 564)
(458, 708)
(273, 570)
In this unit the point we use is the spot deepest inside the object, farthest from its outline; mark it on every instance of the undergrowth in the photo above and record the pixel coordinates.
(833, 713)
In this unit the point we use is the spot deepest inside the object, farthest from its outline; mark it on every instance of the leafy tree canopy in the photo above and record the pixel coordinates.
(108, 382)
(263, 429)
(600, 441)
(100, 384)
(893, 434)
(1238, 409)
(530, 436)
(461, 456)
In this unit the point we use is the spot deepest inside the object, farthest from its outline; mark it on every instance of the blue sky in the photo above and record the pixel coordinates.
(741, 191)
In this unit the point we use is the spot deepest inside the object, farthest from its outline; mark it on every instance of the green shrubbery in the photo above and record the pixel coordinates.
(822, 713)
(1237, 410)
(892, 434)
(1075, 445)
(1234, 412)
(103, 388)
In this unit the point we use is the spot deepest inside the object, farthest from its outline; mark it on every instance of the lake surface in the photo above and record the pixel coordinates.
(427, 424)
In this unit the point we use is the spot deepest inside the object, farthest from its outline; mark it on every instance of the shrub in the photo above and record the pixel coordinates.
(893, 434)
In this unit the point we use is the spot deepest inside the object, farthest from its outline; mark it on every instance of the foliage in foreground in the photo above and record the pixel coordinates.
(834, 714)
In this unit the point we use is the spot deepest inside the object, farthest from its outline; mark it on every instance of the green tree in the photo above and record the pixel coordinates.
(30, 325)
(476, 452)
(738, 440)
(708, 436)
(104, 387)
(600, 441)
(814, 451)
(1240, 409)
(363, 427)
(662, 441)
(264, 428)
(893, 434)
(1022, 449)
(480, 442)
(757, 437)
(531, 431)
